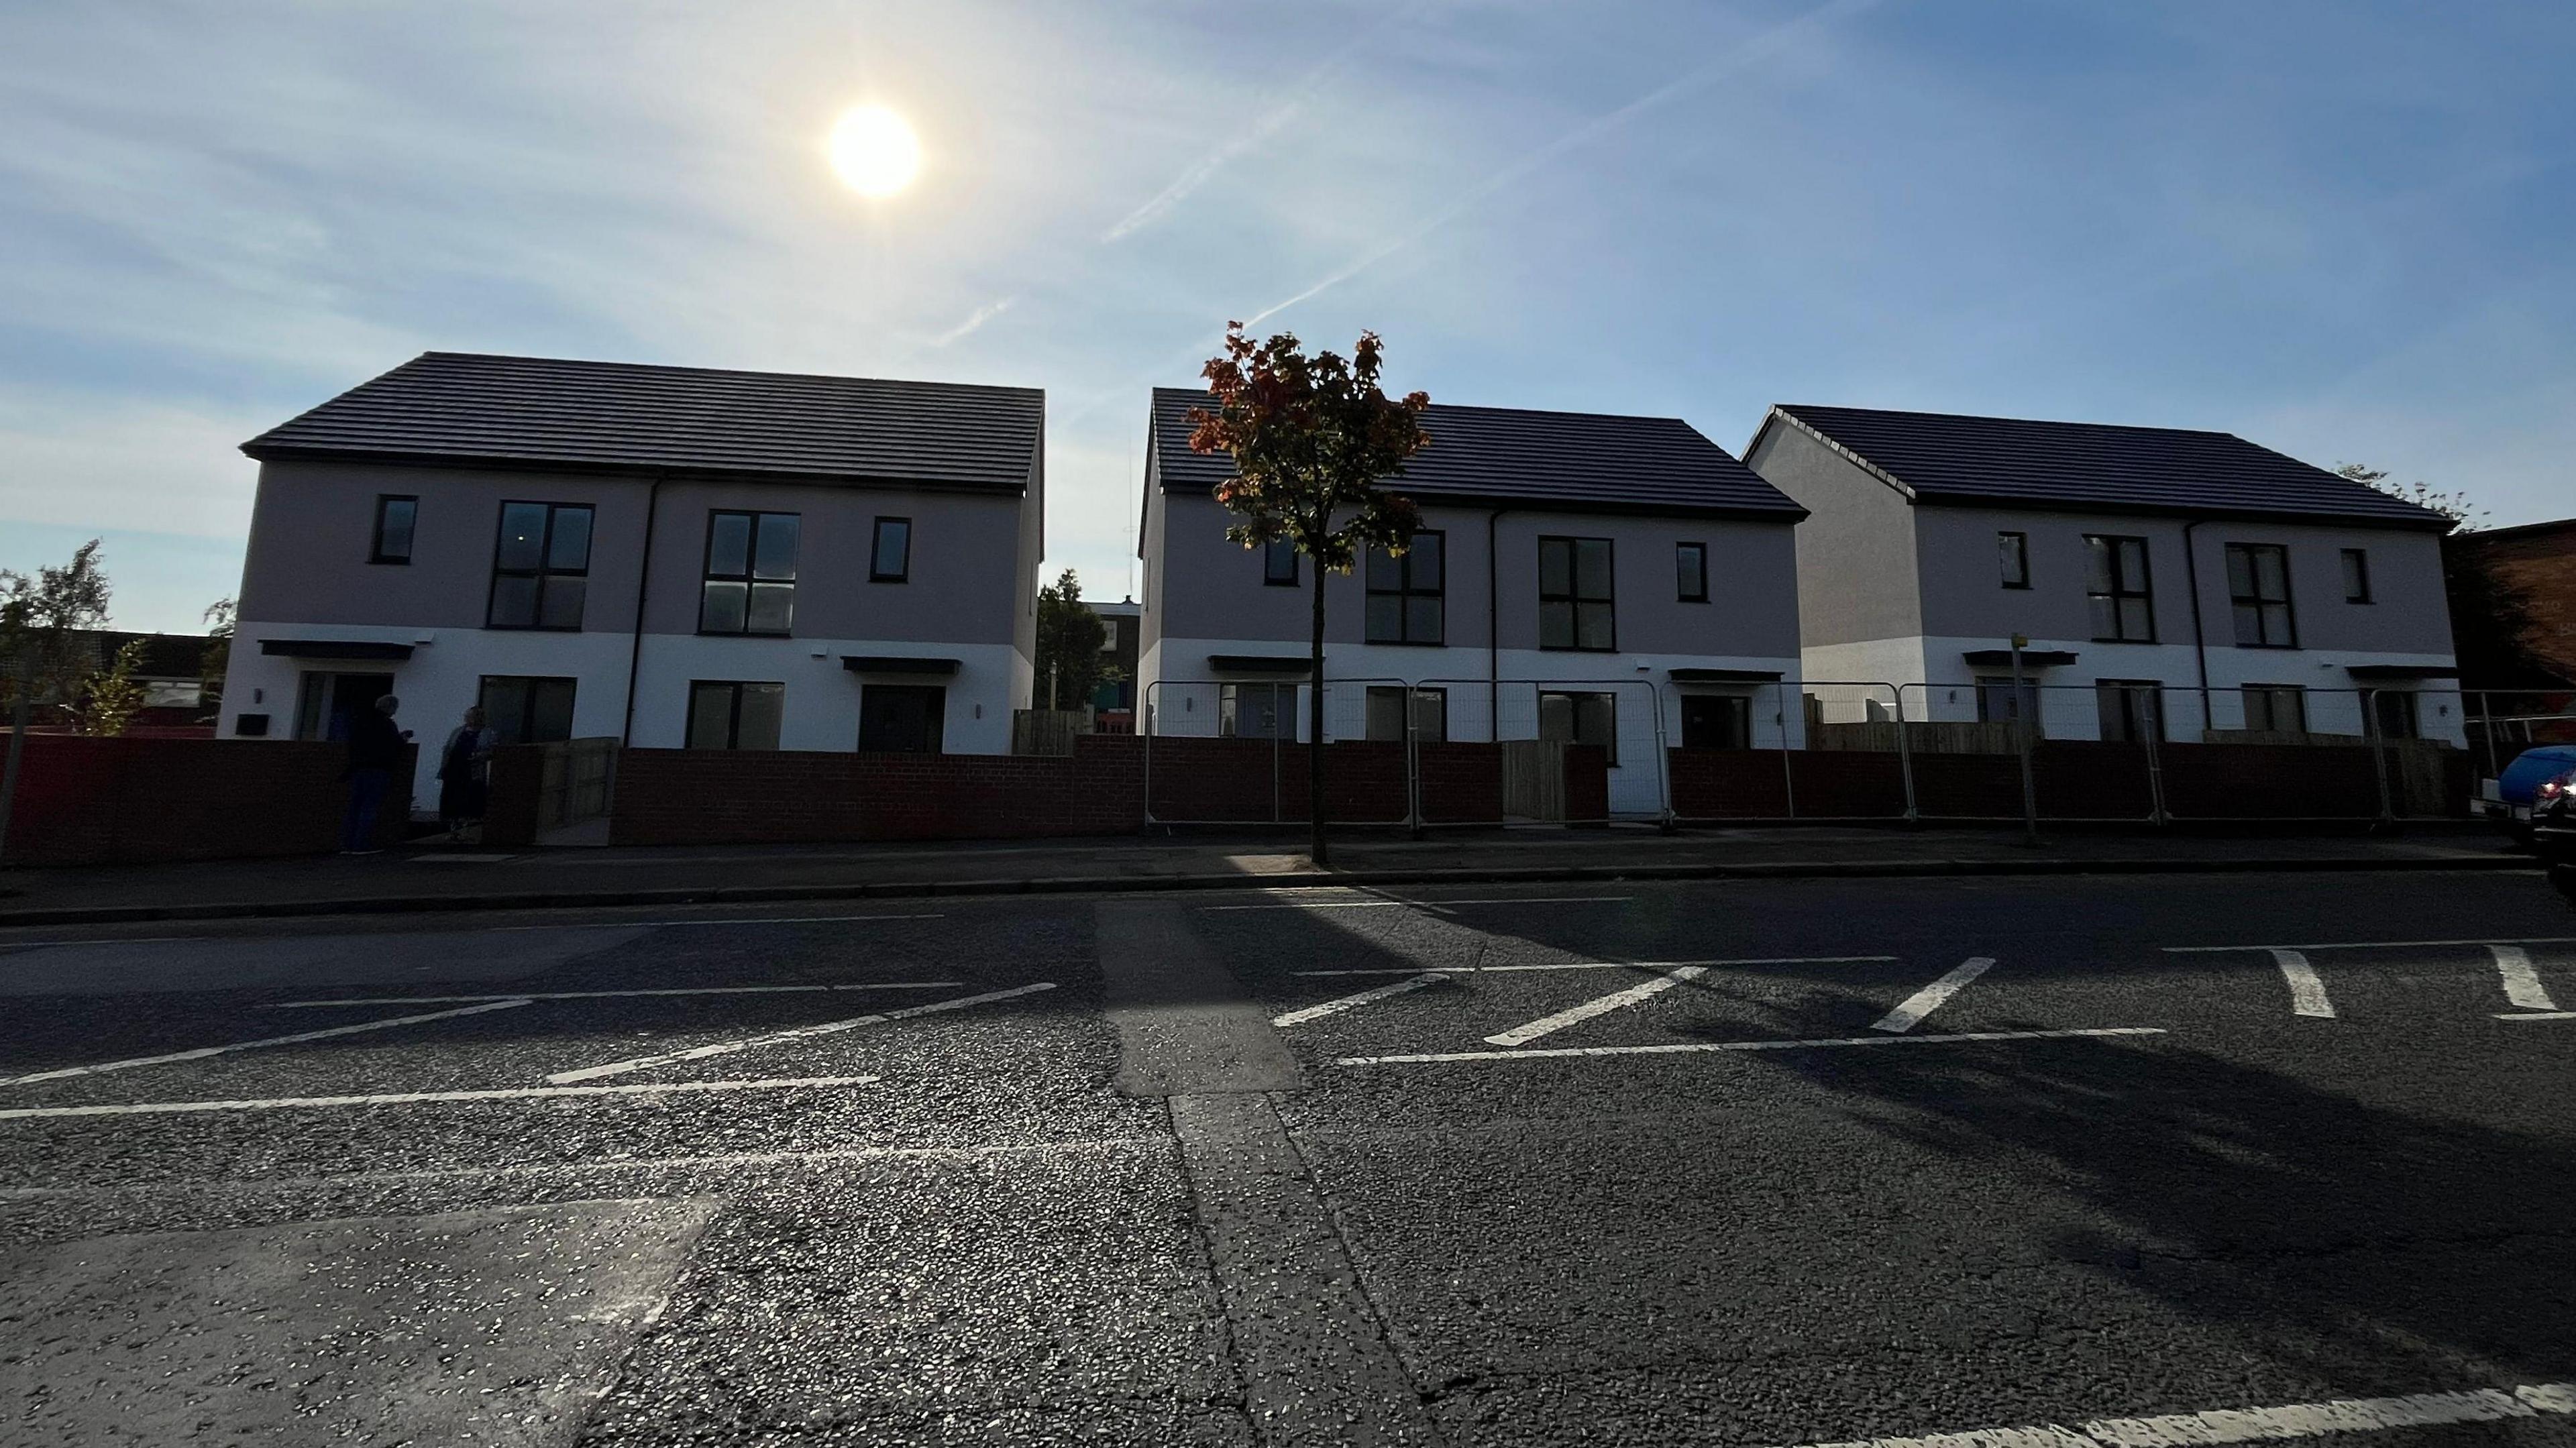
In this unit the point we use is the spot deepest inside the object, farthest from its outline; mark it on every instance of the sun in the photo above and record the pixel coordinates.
(874, 152)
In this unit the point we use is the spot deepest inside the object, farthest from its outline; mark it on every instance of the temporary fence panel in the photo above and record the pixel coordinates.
(1813, 750)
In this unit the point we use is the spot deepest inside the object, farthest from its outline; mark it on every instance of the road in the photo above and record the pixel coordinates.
(2154, 1160)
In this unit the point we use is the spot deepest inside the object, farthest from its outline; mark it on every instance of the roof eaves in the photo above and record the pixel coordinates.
(411, 458)
(1960, 498)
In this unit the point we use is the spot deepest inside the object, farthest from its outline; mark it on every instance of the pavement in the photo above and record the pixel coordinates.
(2078, 1161)
(436, 877)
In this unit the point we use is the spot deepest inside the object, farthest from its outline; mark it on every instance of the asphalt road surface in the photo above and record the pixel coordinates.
(2067, 1163)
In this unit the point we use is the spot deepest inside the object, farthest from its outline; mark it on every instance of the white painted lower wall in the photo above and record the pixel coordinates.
(1180, 694)
(1946, 690)
(445, 673)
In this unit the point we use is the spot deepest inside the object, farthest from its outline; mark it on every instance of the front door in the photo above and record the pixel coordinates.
(1717, 721)
(901, 718)
(329, 701)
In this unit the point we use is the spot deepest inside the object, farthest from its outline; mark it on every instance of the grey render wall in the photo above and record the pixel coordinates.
(1199, 586)
(1856, 552)
(1150, 532)
(1963, 596)
(954, 591)
(313, 524)
(1031, 553)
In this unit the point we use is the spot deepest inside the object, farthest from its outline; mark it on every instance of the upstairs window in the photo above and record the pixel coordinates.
(1279, 563)
(1574, 609)
(890, 555)
(2258, 583)
(2124, 611)
(2012, 551)
(750, 584)
(540, 566)
(394, 518)
(1404, 593)
(1690, 571)
(2356, 575)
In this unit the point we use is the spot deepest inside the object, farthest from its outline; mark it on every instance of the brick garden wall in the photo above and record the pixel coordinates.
(706, 797)
(1255, 781)
(143, 800)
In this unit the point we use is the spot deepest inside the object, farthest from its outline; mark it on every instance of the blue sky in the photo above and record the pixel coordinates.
(2340, 229)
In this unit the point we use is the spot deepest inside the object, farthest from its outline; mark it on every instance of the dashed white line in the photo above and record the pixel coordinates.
(1605, 965)
(203, 1052)
(2307, 990)
(1910, 1012)
(2536, 1015)
(1522, 1035)
(584, 995)
(1336, 1007)
(727, 1048)
(2248, 1425)
(1677, 1048)
(2371, 944)
(408, 1098)
(1424, 904)
(2522, 988)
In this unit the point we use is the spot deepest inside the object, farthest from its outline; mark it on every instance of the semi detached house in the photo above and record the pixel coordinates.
(2170, 582)
(1615, 581)
(669, 556)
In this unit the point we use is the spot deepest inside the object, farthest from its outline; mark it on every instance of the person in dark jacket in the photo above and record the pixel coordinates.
(375, 752)
(464, 770)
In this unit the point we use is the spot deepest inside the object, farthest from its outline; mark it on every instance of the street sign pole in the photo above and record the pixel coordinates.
(2021, 711)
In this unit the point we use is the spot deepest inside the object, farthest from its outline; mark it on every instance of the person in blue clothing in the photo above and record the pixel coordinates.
(375, 752)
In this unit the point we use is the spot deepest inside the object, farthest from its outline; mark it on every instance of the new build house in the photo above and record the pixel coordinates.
(1618, 581)
(668, 556)
(2169, 582)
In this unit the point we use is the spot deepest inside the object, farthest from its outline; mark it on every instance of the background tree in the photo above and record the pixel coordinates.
(40, 623)
(111, 696)
(1310, 438)
(2491, 619)
(220, 616)
(1070, 640)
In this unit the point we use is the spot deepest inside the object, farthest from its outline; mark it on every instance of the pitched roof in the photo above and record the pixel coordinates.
(1580, 460)
(1940, 457)
(537, 412)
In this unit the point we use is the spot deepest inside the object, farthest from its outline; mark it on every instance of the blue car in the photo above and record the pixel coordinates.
(2518, 788)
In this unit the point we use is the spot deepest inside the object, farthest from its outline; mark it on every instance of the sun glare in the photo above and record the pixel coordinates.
(873, 151)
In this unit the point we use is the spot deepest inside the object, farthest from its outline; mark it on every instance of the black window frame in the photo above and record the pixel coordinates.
(545, 571)
(1575, 697)
(1574, 598)
(749, 577)
(876, 550)
(1271, 553)
(2141, 710)
(411, 528)
(2272, 694)
(2121, 590)
(1689, 594)
(2255, 601)
(1412, 705)
(1405, 591)
(733, 715)
(2356, 570)
(2016, 570)
(526, 685)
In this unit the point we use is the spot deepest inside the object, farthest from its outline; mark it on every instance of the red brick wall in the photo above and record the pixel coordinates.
(140, 800)
(698, 796)
(2072, 779)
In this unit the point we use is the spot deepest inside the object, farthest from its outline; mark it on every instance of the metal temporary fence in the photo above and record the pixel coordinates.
(2501, 723)
(1524, 776)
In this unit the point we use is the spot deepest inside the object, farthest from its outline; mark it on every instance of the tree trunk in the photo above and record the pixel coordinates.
(19, 715)
(1316, 848)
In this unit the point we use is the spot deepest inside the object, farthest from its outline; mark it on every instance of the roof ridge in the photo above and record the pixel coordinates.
(638, 368)
(1793, 407)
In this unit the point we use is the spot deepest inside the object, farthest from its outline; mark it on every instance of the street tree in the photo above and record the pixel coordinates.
(2491, 619)
(1070, 640)
(40, 623)
(111, 696)
(1311, 437)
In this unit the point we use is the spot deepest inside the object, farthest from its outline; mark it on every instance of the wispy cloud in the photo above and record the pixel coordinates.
(975, 319)
(1271, 121)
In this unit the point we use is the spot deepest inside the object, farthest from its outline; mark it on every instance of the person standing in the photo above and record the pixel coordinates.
(375, 752)
(464, 773)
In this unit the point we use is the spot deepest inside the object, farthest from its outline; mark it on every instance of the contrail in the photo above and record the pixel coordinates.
(974, 319)
(1758, 48)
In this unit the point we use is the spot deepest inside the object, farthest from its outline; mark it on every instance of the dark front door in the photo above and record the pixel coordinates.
(901, 718)
(1717, 721)
(330, 701)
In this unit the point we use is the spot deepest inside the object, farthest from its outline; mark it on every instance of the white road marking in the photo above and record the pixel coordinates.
(7, 944)
(584, 995)
(406, 1098)
(2370, 944)
(2307, 991)
(202, 1052)
(464, 859)
(2522, 988)
(1910, 1012)
(2248, 1425)
(2536, 1015)
(1691, 1047)
(1335, 1007)
(1599, 1005)
(1424, 904)
(727, 1048)
(1609, 965)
